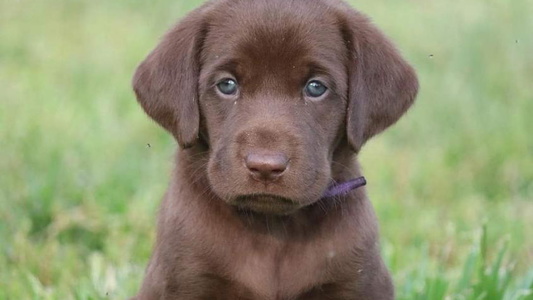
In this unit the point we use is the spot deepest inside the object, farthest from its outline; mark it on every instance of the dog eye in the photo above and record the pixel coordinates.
(227, 86)
(315, 89)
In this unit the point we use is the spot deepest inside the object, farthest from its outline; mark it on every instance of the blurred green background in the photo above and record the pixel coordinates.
(80, 187)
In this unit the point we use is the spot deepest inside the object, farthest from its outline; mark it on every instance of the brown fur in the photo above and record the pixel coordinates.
(225, 234)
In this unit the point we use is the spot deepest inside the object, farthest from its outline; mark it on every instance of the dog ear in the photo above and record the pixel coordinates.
(382, 85)
(166, 82)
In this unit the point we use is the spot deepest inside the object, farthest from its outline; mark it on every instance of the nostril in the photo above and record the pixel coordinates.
(278, 171)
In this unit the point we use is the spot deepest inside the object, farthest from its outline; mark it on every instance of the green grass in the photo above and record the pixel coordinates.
(452, 183)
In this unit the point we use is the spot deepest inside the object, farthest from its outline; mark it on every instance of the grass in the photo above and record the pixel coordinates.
(452, 182)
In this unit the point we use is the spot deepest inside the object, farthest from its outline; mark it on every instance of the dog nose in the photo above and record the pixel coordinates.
(266, 167)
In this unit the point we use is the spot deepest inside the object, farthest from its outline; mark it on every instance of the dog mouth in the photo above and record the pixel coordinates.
(266, 204)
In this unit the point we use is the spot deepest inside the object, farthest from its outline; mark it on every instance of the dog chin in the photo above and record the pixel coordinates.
(266, 204)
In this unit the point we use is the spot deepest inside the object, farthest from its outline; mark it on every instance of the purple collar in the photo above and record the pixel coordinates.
(337, 189)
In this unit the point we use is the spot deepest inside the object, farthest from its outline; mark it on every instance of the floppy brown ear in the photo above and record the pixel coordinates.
(166, 82)
(382, 85)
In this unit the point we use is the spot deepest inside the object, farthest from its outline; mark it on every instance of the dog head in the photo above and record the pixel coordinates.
(274, 88)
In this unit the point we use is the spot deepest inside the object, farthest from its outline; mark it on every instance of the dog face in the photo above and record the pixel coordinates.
(274, 87)
(274, 102)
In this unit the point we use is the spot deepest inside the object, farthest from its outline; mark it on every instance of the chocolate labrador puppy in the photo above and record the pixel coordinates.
(270, 102)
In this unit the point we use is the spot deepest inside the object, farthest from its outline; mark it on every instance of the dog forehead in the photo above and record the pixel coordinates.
(274, 37)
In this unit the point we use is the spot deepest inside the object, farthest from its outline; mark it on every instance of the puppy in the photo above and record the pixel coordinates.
(270, 102)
